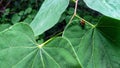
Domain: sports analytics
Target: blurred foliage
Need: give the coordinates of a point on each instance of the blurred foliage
(16, 11)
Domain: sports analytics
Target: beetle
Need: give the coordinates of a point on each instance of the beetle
(82, 23)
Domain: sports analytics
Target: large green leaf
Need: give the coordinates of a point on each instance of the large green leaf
(97, 46)
(4, 26)
(48, 15)
(109, 8)
(18, 49)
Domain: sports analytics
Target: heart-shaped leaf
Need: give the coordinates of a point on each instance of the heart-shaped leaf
(109, 8)
(18, 49)
(48, 15)
(97, 46)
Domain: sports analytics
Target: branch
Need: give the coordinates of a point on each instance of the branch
(75, 11)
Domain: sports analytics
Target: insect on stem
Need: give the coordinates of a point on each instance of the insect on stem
(82, 23)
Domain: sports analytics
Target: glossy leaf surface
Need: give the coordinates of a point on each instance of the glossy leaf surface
(109, 8)
(48, 15)
(97, 46)
(18, 49)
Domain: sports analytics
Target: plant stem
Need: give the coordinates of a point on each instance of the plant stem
(75, 14)
(84, 20)
(41, 45)
(75, 11)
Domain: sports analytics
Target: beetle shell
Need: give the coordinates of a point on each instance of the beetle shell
(82, 22)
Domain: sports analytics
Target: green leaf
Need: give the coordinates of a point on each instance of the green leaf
(7, 11)
(109, 8)
(18, 49)
(15, 18)
(97, 46)
(4, 26)
(21, 13)
(28, 10)
(28, 19)
(48, 15)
